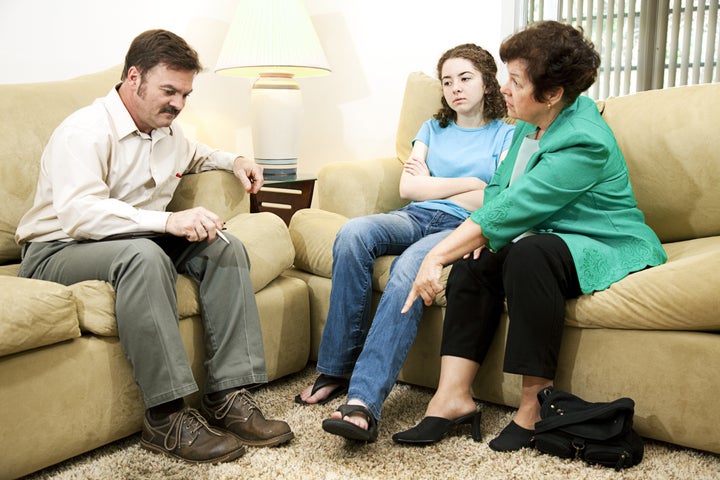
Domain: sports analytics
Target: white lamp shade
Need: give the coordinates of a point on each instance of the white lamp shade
(271, 36)
(275, 41)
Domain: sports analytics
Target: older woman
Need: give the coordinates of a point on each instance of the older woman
(454, 155)
(559, 219)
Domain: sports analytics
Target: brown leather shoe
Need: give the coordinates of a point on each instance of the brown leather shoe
(239, 414)
(186, 435)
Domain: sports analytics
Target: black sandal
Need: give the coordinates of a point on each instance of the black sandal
(324, 381)
(348, 429)
(434, 429)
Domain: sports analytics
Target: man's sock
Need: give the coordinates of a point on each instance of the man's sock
(159, 413)
(217, 397)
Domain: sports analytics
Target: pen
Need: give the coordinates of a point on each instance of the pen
(222, 236)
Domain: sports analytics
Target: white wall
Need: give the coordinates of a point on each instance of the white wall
(350, 114)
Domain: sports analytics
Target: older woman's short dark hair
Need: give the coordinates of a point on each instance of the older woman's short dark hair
(556, 55)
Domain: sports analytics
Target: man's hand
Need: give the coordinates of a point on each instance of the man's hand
(249, 173)
(196, 224)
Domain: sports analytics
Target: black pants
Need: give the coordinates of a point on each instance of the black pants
(536, 275)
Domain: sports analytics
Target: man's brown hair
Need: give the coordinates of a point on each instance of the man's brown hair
(155, 47)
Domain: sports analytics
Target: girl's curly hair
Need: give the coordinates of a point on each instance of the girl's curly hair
(493, 101)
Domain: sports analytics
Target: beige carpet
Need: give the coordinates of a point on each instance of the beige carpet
(314, 454)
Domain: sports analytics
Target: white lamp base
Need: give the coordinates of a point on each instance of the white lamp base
(276, 109)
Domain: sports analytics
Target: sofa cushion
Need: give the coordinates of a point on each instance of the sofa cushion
(92, 302)
(10, 270)
(96, 307)
(673, 163)
(24, 135)
(96, 304)
(381, 275)
(267, 241)
(35, 313)
(647, 129)
(678, 295)
(217, 190)
(364, 187)
(421, 102)
(313, 233)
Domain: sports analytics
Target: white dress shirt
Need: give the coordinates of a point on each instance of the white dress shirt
(99, 175)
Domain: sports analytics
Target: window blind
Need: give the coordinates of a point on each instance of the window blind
(643, 44)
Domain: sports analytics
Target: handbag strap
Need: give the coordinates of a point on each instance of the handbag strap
(586, 412)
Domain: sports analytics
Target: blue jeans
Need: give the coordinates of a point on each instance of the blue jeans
(374, 350)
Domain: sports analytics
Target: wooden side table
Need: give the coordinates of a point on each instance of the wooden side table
(284, 195)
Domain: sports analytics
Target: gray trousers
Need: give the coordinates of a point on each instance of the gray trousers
(143, 273)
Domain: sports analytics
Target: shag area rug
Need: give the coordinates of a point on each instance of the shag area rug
(317, 455)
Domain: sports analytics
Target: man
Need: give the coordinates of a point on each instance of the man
(106, 177)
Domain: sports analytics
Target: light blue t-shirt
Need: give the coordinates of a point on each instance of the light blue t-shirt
(462, 152)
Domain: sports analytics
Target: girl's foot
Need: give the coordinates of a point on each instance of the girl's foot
(356, 418)
(325, 389)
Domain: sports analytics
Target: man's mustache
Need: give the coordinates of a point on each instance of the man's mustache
(171, 110)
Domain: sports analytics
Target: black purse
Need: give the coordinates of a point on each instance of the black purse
(598, 433)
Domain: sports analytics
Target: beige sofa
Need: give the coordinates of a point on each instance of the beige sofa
(652, 336)
(65, 385)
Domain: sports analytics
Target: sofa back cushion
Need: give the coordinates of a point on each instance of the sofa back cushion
(29, 113)
(668, 139)
(420, 102)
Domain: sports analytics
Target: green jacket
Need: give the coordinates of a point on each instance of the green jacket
(577, 187)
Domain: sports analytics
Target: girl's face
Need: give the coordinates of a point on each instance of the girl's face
(463, 87)
(518, 92)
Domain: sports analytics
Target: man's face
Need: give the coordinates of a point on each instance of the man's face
(159, 95)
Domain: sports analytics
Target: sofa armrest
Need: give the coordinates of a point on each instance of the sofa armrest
(313, 234)
(217, 190)
(267, 241)
(35, 313)
(357, 188)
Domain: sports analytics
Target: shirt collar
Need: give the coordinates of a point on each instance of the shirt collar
(123, 121)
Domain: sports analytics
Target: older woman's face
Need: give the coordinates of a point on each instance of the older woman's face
(518, 92)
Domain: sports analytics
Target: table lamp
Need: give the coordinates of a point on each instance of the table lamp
(275, 42)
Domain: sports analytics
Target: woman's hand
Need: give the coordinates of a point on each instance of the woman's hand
(464, 240)
(475, 253)
(427, 283)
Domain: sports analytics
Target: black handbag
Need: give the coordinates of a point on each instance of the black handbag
(598, 433)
